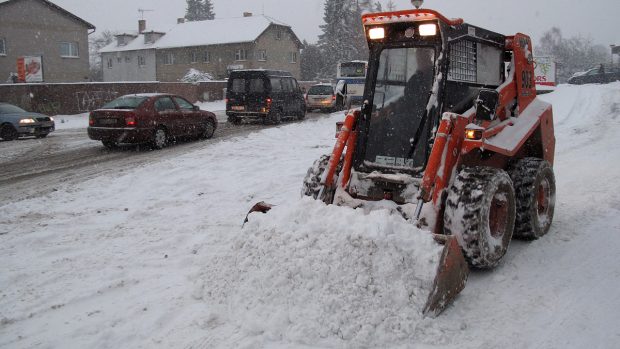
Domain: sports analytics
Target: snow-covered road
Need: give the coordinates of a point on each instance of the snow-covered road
(121, 260)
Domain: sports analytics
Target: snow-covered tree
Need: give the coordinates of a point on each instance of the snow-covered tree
(573, 54)
(195, 75)
(311, 62)
(199, 10)
(343, 35)
(95, 44)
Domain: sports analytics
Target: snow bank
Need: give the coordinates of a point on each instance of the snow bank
(63, 122)
(315, 274)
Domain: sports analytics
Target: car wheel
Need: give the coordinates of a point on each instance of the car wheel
(110, 144)
(160, 138)
(8, 132)
(209, 130)
(274, 117)
(339, 104)
(302, 113)
(234, 120)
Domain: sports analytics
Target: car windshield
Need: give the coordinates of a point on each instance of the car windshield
(321, 90)
(10, 109)
(126, 102)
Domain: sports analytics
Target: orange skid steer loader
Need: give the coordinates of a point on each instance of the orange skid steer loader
(450, 121)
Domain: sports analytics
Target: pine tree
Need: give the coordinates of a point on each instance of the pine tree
(343, 35)
(199, 10)
(311, 62)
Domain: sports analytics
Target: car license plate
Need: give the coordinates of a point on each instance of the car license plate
(238, 107)
(107, 121)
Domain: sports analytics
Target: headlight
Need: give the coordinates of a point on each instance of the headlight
(51, 118)
(27, 121)
(376, 33)
(427, 29)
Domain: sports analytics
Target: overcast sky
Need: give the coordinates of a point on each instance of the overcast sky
(597, 19)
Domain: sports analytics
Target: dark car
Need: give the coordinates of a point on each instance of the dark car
(16, 122)
(600, 75)
(267, 95)
(149, 118)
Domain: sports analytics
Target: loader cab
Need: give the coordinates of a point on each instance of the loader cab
(421, 65)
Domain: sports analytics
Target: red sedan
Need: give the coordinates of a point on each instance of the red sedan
(153, 118)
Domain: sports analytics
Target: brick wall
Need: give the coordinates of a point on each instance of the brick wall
(62, 99)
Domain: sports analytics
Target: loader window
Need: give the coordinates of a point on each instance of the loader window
(402, 91)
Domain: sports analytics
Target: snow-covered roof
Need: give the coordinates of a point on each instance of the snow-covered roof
(202, 33)
(133, 45)
(59, 9)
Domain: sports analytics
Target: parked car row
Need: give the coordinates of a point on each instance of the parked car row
(157, 118)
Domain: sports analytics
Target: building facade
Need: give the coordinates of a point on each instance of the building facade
(132, 57)
(214, 47)
(40, 28)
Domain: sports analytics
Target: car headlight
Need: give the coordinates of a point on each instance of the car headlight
(51, 118)
(26, 121)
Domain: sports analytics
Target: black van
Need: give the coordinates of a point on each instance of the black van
(268, 95)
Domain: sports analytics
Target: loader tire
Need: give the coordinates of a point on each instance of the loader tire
(311, 185)
(480, 212)
(534, 185)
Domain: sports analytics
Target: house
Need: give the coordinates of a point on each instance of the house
(39, 28)
(213, 46)
(131, 57)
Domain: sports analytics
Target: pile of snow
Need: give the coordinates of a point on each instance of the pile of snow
(131, 258)
(63, 122)
(219, 105)
(195, 75)
(314, 274)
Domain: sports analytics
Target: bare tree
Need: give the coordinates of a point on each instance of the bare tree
(95, 44)
(574, 54)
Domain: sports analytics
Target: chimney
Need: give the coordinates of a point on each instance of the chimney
(180, 20)
(247, 14)
(141, 25)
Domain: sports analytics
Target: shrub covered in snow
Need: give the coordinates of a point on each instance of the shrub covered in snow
(195, 75)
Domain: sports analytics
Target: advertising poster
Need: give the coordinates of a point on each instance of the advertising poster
(545, 71)
(30, 69)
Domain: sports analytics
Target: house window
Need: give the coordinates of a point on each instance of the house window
(109, 63)
(278, 35)
(127, 59)
(206, 57)
(141, 61)
(169, 58)
(119, 60)
(293, 57)
(261, 55)
(194, 57)
(241, 55)
(2, 47)
(69, 49)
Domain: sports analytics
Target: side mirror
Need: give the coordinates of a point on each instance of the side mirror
(195, 108)
(486, 104)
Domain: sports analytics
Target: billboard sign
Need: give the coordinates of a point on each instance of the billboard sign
(30, 69)
(545, 71)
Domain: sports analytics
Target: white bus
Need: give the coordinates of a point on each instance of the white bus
(353, 73)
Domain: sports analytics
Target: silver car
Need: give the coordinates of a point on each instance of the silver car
(16, 122)
(323, 97)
